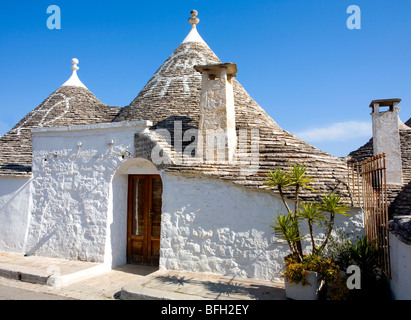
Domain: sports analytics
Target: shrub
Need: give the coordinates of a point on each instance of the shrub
(364, 254)
(296, 271)
(287, 225)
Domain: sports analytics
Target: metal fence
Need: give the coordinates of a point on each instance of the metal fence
(368, 186)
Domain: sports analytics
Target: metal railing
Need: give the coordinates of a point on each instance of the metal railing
(368, 185)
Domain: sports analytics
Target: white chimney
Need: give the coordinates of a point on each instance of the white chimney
(217, 113)
(386, 137)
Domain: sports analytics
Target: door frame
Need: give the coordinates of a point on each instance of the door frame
(147, 238)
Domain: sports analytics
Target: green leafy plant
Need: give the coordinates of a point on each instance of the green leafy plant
(313, 215)
(296, 177)
(374, 284)
(333, 205)
(299, 179)
(287, 225)
(280, 180)
(363, 253)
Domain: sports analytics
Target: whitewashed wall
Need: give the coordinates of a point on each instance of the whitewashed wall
(72, 207)
(210, 225)
(79, 208)
(14, 210)
(400, 258)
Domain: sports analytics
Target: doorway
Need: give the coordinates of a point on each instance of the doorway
(144, 219)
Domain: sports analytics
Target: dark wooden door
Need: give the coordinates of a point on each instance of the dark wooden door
(144, 219)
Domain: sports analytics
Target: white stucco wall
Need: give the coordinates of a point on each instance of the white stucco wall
(14, 210)
(400, 259)
(79, 208)
(73, 195)
(210, 225)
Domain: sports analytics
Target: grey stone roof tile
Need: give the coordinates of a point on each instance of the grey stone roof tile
(173, 94)
(67, 106)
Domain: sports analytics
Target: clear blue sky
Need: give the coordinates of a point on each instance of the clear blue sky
(297, 59)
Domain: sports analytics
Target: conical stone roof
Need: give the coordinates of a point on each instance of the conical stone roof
(71, 104)
(173, 94)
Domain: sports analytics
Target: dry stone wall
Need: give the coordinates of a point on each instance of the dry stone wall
(14, 208)
(214, 226)
(72, 173)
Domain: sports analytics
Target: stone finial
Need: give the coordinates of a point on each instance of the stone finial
(74, 81)
(74, 61)
(193, 36)
(194, 20)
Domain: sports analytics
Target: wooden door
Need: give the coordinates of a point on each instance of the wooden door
(144, 219)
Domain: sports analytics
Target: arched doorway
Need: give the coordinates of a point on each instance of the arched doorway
(122, 245)
(144, 219)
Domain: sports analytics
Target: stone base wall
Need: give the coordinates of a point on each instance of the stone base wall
(14, 213)
(400, 258)
(213, 226)
(72, 191)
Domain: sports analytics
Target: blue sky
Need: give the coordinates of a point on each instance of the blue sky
(297, 59)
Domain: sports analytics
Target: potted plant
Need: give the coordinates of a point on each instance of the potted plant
(305, 279)
(304, 273)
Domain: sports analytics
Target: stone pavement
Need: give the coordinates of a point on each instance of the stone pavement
(92, 281)
(173, 285)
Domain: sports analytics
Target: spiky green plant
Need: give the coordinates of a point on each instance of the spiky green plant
(311, 212)
(332, 204)
(300, 179)
(296, 176)
(286, 227)
(280, 180)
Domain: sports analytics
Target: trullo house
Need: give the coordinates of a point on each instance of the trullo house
(173, 179)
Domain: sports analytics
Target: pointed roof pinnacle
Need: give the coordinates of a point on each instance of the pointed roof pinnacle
(194, 36)
(74, 80)
(194, 20)
(75, 62)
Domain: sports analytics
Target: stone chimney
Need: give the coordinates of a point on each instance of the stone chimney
(386, 136)
(217, 113)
